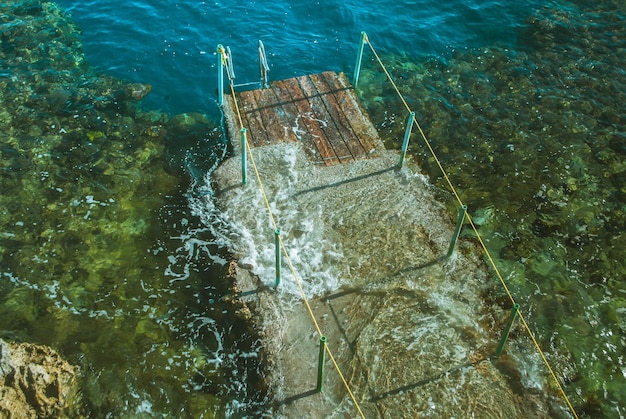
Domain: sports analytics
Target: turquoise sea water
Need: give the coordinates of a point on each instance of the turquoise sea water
(102, 258)
(172, 45)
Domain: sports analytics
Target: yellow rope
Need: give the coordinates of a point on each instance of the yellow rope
(523, 320)
(491, 261)
(415, 122)
(284, 250)
(317, 327)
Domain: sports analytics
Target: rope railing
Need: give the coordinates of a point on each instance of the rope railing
(412, 122)
(223, 63)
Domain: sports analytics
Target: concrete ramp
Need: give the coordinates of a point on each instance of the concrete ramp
(412, 333)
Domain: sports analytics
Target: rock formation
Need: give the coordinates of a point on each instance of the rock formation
(34, 381)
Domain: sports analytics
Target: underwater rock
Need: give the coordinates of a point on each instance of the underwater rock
(35, 381)
(191, 123)
(133, 91)
(32, 8)
(483, 216)
(83, 181)
(182, 127)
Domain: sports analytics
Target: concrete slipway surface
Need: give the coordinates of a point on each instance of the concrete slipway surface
(412, 332)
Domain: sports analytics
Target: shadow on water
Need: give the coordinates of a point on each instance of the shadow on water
(292, 399)
(397, 391)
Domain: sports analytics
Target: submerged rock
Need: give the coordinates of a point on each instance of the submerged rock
(134, 91)
(35, 381)
(85, 179)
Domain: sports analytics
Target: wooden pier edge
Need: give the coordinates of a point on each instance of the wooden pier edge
(321, 111)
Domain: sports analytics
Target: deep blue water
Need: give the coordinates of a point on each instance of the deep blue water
(171, 45)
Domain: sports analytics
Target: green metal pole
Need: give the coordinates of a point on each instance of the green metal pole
(407, 136)
(320, 364)
(507, 329)
(359, 58)
(244, 157)
(457, 230)
(278, 255)
(220, 74)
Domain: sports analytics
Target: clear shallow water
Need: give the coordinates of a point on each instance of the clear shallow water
(147, 299)
(533, 137)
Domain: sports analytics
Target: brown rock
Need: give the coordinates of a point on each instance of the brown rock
(132, 91)
(34, 381)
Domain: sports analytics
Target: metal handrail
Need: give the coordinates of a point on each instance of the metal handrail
(225, 61)
(263, 66)
(229, 65)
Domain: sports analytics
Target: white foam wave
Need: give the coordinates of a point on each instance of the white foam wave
(245, 227)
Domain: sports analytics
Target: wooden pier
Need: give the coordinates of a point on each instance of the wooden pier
(321, 111)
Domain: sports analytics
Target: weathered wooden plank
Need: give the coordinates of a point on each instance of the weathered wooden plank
(327, 125)
(320, 111)
(346, 99)
(280, 127)
(298, 127)
(252, 119)
(307, 116)
(268, 118)
(336, 113)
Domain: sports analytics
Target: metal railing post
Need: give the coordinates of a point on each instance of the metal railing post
(244, 157)
(457, 230)
(278, 255)
(359, 58)
(229, 66)
(263, 66)
(407, 136)
(320, 364)
(220, 74)
(507, 329)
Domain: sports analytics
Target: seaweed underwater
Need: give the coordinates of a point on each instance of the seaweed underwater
(100, 257)
(534, 137)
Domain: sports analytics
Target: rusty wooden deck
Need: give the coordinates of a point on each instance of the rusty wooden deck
(321, 111)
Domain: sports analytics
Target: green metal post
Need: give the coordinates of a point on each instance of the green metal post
(457, 230)
(407, 136)
(359, 58)
(507, 329)
(278, 255)
(320, 364)
(220, 74)
(244, 157)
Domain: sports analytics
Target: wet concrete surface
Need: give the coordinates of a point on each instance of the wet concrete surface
(410, 330)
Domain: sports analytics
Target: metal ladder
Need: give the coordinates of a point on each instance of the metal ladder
(225, 61)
